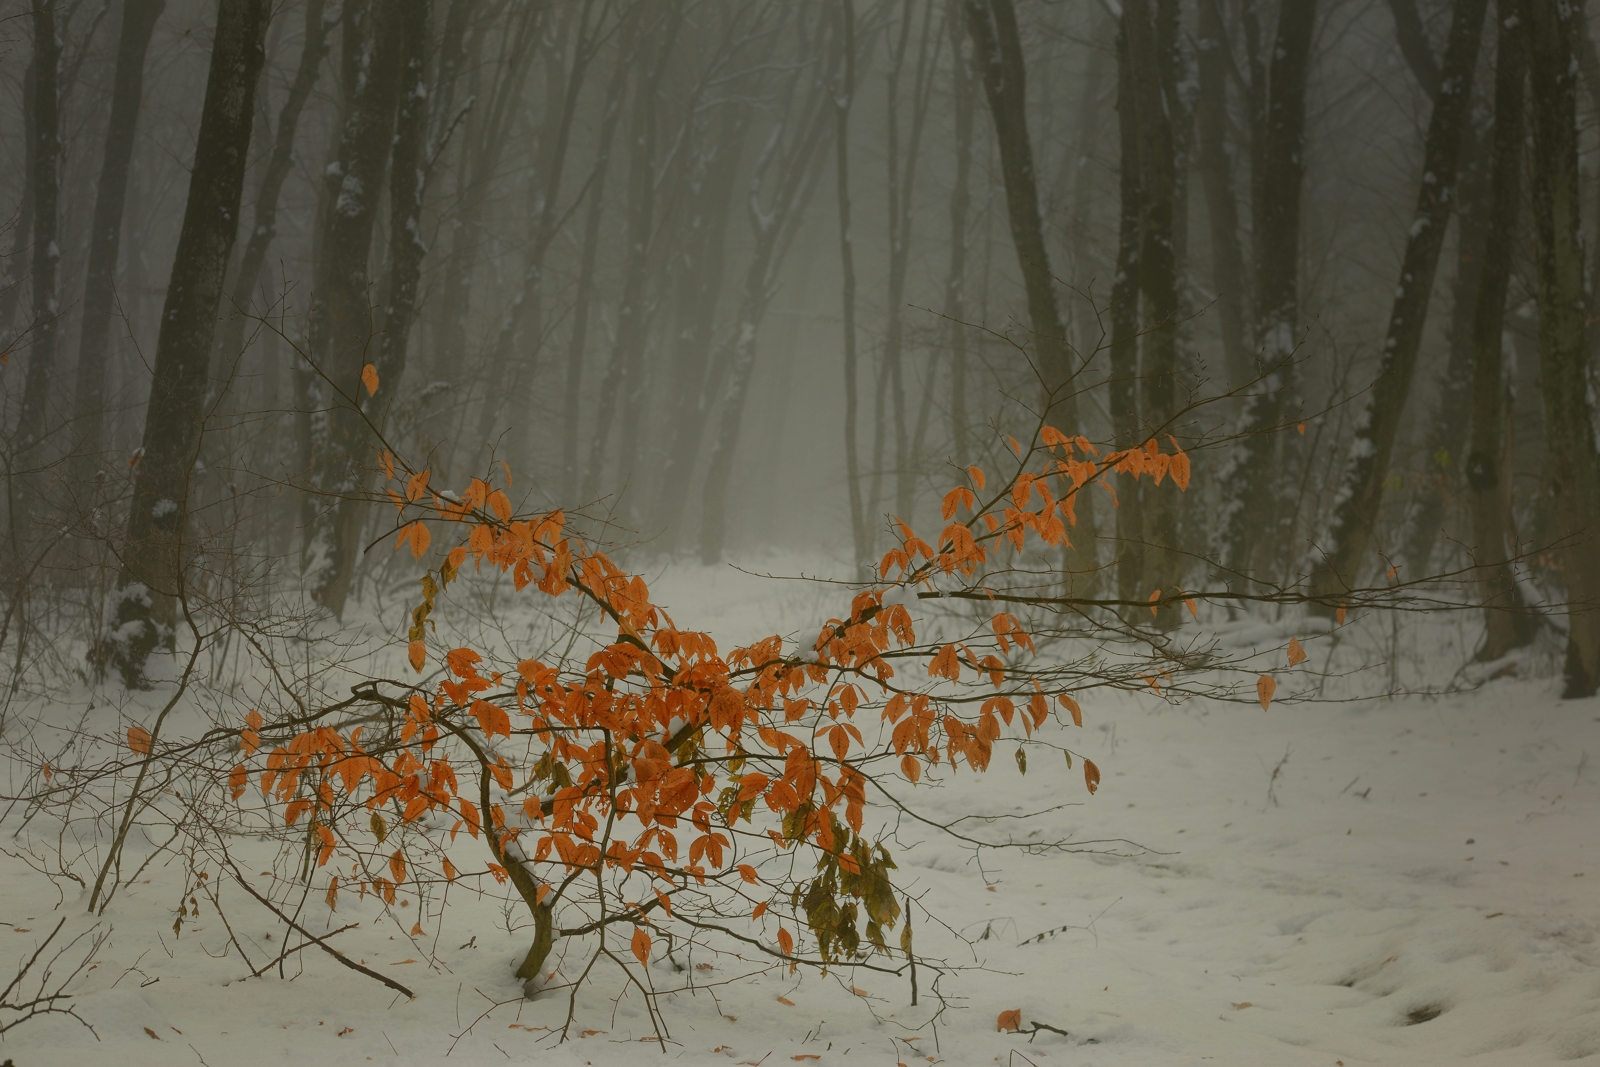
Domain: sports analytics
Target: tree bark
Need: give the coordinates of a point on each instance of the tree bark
(11, 281)
(46, 189)
(264, 228)
(1277, 173)
(843, 97)
(1574, 468)
(105, 240)
(997, 53)
(902, 181)
(158, 516)
(1158, 287)
(1123, 386)
(1488, 468)
(1222, 206)
(342, 337)
(962, 76)
(1361, 487)
(1449, 421)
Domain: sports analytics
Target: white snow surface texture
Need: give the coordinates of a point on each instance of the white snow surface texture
(1426, 859)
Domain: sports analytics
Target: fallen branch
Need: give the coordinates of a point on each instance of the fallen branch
(318, 941)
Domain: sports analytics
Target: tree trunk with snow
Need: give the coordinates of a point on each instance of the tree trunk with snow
(1488, 467)
(152, 556)
(343, 339)
(1360, 489)
(1573, 468)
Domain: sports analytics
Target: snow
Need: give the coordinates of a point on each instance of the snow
(1409, 856)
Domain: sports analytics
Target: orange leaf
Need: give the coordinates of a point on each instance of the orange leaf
(1297, 654)
(1072, 706)
(1391, 572)
(748, 873)
(785, 941)
(1338, 616)
(1091, 775)
(911, 768)
(419, 539)
(761, 909)
(416, 930)
(1009, 1021)
(1301, 427)
(449, 870)
(1189, 603)
(237, 781)
(461, 661)
(1265, 687)
(139, 740)
(417, 653)
(397, 867)
(641, 946)
(977, 476)
(417, 484)
(1154, 597)
(786, 1000)
(333, 893)
(369, 378)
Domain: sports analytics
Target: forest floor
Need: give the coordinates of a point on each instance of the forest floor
(1394, 881)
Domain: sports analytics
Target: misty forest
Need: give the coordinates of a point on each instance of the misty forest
(962, 530)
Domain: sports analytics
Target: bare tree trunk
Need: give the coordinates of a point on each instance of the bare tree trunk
(1488, 466)
(1277, 172)
(1123, 399)
(488, 133)
(138, 23)
(1574, 468)
(584, 296)
(342, 332)
(997, 52)
(1361, 487)
(962, 76)
(11, 281)
(843, 97)
(46, 186)
(319, 21)
(523, 320)
(1216, 172)
(152, 557)
(407, 184)
(1449, 420)
(902, 182)
(1158, 286)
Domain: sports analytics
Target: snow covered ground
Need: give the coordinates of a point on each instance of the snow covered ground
(1419, 884)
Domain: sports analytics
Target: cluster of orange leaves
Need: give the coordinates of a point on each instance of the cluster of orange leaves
(644, 727)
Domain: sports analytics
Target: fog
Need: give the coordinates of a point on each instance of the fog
(709, 104)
